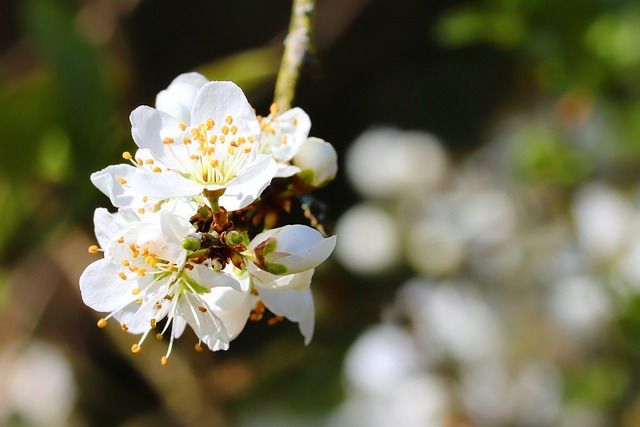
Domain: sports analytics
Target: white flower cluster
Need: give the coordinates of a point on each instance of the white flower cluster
(193, 241)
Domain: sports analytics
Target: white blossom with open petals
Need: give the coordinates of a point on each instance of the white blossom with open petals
(146, 276)
(214, 147)
(282, 136)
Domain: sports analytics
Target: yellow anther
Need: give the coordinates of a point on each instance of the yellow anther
(139, 301)
(234, 130)
(159, 306)
(163, 360)
(172, 266)
(121, 240)
(153, 323)
(210, 123)
(124, 327)
(251, 139)
(136, 291)
(159, 337)
(294, 121)
(225, 130)
(198, 347)
(93, 249)
(135, 349)
(213, 139)
(127, 155)
(275, 320)
(145, 251)
(195, 132)
(234, 143)
(157, 169)
(133, 268)
(228, 120)
(284, 139)
(151, 260)
(202, 309)
(102, 323)
(125, 262)
(135, 254)
(149, 161)
(142, 272)
(182, 126)
(122, 181)
(141, 210)
(222, 139)
(247, 150)
(274, 108)
(195, 157)
(231, 150)
(168, 297)
(259, 117)
(186, 141)
(189, 266)
(241, 140)
(145, 199)
(168, 140)
(122, 276)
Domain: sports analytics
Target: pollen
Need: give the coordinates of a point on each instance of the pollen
(159, 306)
(210, 124)
(157, 169)
(198, 347)
(159, 337)
(121, 240)
(122, 276)
(251, 139)
(142, 272)
(149, 161)
(231, 150)
(228, 120)
(93, 249)
(125, 263)
(153, 323)
(163, 360)
(234, 129)
(186, 141)
(139, 301)
(195, 157)
(102, 323)
(139, 161)
(136, 291)
(122, 181)
(135, 349)
(247, 150)
(133, 268)
(182, 126)
(151, 260)
(124, 327)
(213, 139)
(127, 155)
(224, 130)
(168, 140)
(202, 309)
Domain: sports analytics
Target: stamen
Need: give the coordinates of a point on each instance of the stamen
(159, 337)
(145, 199)
(228, 120)
(202, 309)
(163, 360)
(122, 276)
(231, 150)
(93, 249)
(149, 161)
(275, 320)
(198, 348)
(157, 169)
(187, 141)
(213, 139)
(121, 239)
(274, 108)
(294, 121)
(127, 155)
(124, 327)
(210, 124)
(234, 130)
(136, 291)
(102, 323)
(122, 181)
(153, 323)
(168, 140)
(182, 126)
(139, 161)
(135, 349)
(125, 262)
(224, 130)
(142, 272)
(139, 301)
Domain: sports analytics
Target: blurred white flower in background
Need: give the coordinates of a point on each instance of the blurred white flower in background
(369, 240)
(387, 162)
(37, 386)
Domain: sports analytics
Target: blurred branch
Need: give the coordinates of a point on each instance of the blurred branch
(298, 41)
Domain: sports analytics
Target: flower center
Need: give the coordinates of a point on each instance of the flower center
(212, 154)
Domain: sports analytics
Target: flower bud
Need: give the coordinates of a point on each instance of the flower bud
(318, 161)
(290, 249)
(191, 242)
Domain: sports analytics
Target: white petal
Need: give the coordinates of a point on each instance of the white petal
(106, 181)
(108, 226)
(207, 326)
(263, 279)
(102, 289)
(296, 134)
(295, 305)
(285, 171)
(247, 187)
(208, 278)
(218, 100)
(163, 185)
(149, 127)
(177, 99)
(232, 307)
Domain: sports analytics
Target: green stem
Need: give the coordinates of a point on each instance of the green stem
(296, 44)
